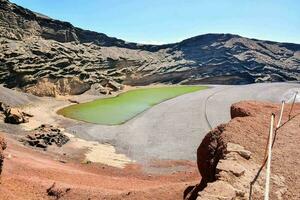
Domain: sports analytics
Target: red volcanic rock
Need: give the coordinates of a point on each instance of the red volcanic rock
(237, 111)
(249, 129)
(210, 151)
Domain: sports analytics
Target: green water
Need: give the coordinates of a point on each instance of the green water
(119, 109)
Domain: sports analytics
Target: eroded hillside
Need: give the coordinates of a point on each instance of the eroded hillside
(37, 49)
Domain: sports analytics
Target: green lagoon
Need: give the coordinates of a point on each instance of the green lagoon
(119, 109)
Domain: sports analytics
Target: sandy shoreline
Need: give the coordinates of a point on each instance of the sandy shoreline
(45, 113)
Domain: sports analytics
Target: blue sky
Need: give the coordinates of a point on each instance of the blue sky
(167, 21)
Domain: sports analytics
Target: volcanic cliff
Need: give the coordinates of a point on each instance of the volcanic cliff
(37, 52)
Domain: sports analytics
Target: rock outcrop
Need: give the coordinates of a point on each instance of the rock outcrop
(63, 86)
(16, 116)
(44, 136)
(13, 115)
(2, 148)
(210, 151)
(34, 47)
(56, 192)
(233, 175)
(230, 156)
(3, 107)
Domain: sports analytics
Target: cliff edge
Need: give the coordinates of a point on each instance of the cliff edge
(230, 156)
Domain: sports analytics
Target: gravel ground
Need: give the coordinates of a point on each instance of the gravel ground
(15, 98)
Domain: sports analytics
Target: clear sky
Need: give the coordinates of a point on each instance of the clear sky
(167, 21)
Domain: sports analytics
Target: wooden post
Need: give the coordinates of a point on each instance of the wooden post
(268, 171)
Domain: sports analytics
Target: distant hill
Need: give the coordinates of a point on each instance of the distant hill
(34, 46)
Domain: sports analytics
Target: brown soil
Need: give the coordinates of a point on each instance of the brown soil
(28, 173)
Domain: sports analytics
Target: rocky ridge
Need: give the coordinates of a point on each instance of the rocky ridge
(35, 48)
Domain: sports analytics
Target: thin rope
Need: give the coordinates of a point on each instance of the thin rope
(296, 93)
(280, 117)
(265, 159)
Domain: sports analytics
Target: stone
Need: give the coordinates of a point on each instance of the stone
(57, 192)
(238, 112)
(219, 190)
(210, 151)
(43, 87)
(72, 86)
(15, 116)
(101, 89)
(3, 107)
(73, 101)
(231, 166)
(113, 85)
(231, 147)
(41, 144)
(44, 136)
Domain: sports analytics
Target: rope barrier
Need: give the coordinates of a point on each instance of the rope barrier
(280, 117)
(296, 93)
(268, 171)
(277, 126)
(269, 147)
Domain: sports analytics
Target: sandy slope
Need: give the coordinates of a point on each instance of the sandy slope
(28, 173)
(15, 98)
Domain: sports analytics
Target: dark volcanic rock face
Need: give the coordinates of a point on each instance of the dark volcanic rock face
(33, 46)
